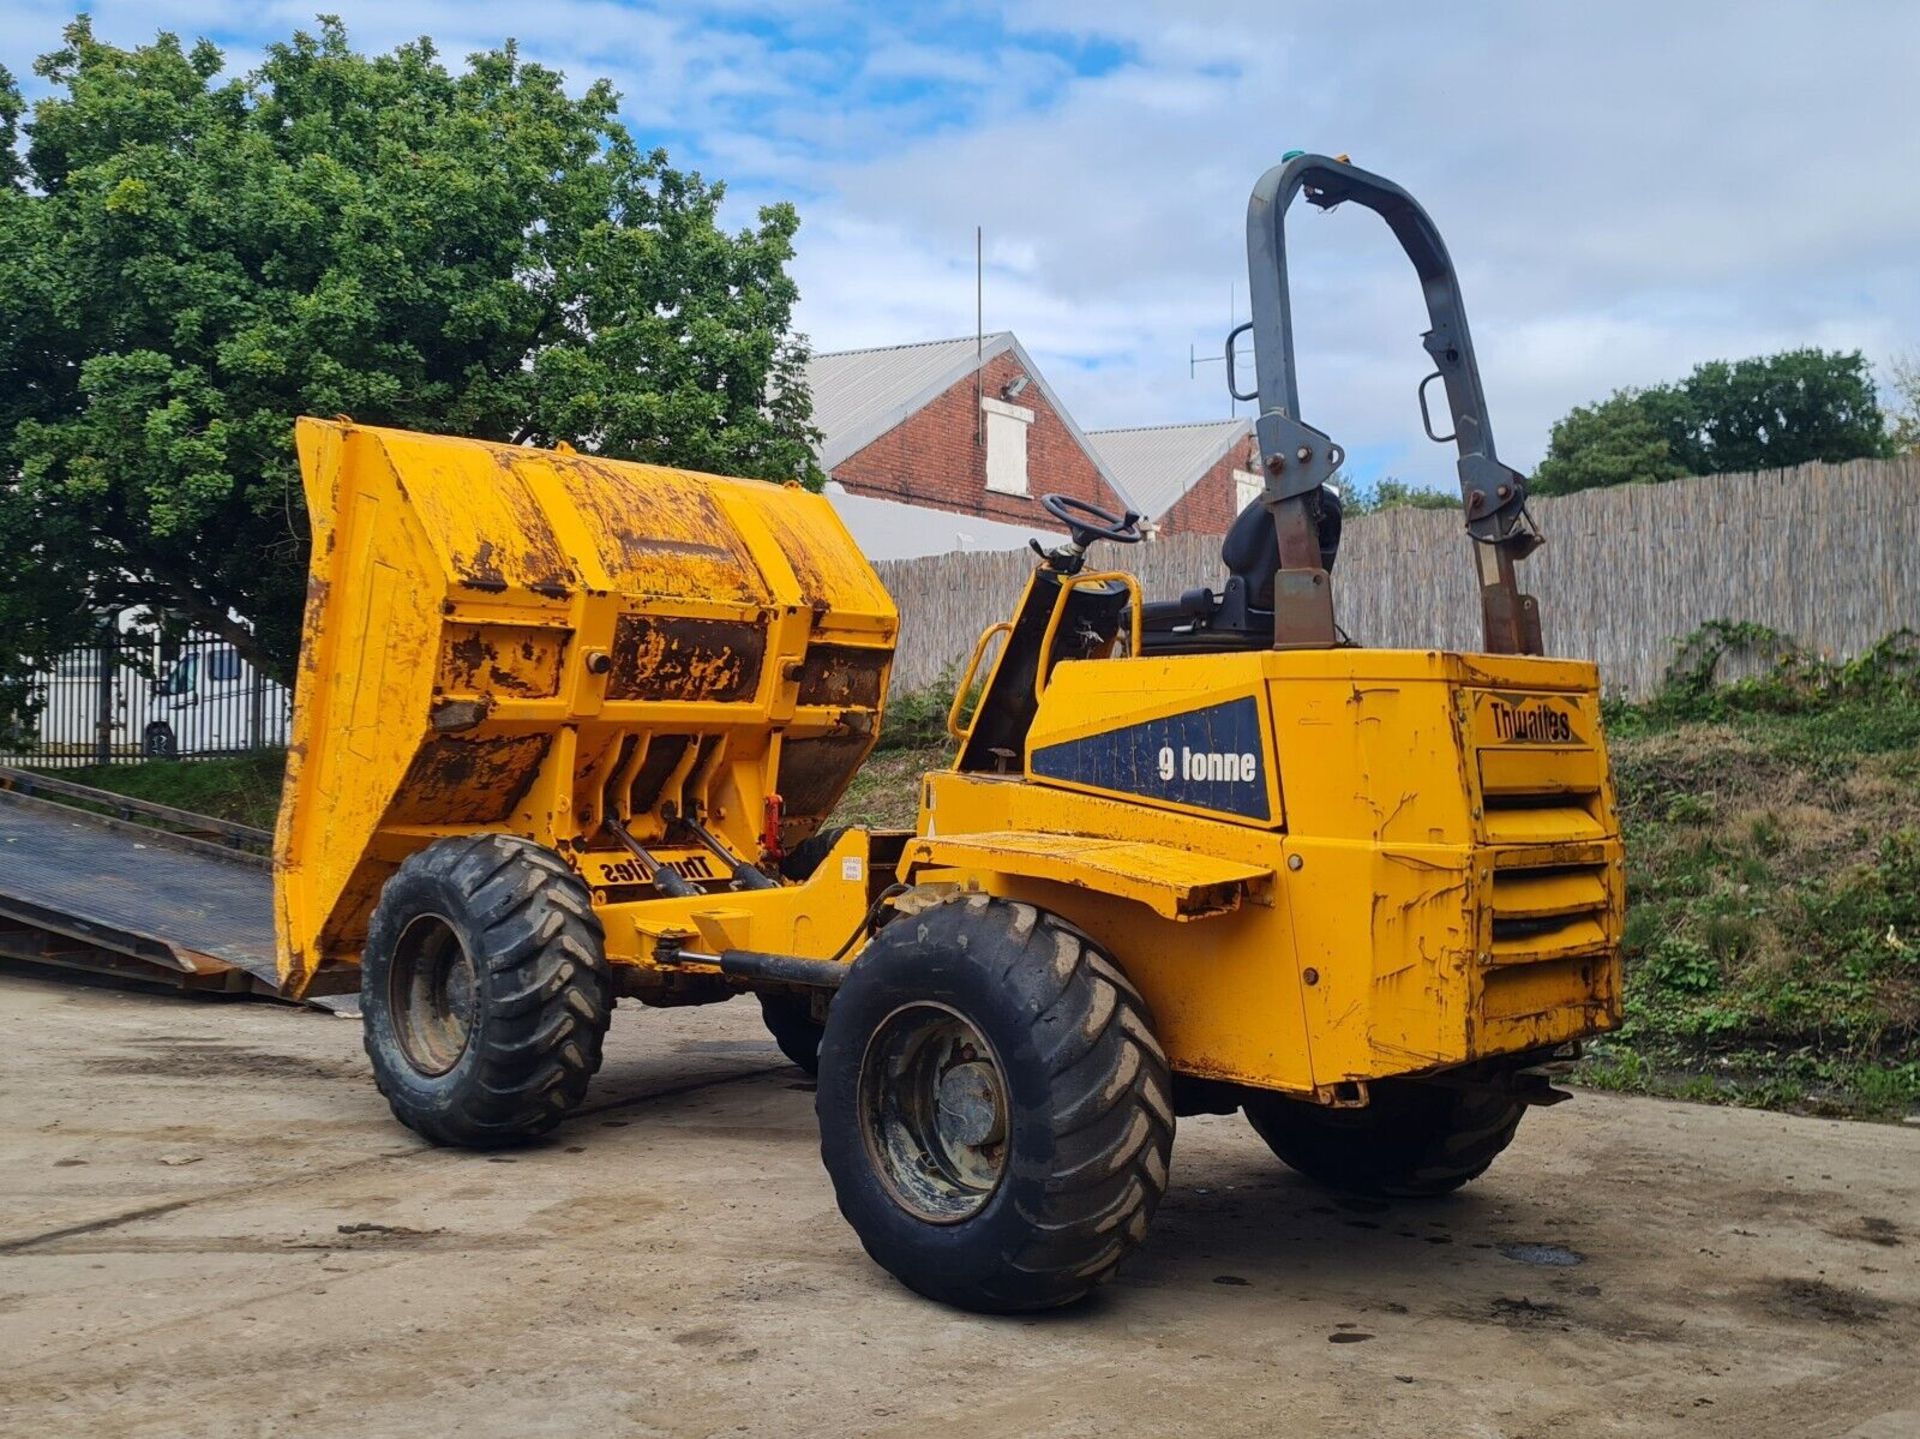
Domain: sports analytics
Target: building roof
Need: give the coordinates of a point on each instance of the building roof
(1157, 464)
(889, 530)
(858, 395)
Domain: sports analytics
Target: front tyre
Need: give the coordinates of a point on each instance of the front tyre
(995, 1112)
(485, 991)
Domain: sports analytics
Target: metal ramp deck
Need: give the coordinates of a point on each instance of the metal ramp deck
(107, 894)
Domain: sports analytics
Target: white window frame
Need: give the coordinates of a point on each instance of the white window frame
(1006, 458)
(1247, 487)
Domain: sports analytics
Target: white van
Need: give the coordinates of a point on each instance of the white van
(212, 701)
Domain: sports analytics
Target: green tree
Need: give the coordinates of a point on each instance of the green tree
(186, 264)
(1775, 411)
(1766, 413)
(1619, 441)
(1387, 493)
(1903, 430)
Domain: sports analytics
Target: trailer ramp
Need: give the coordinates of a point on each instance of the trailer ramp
(143, 892)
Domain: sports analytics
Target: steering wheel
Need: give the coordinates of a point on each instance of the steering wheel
(1075, 514)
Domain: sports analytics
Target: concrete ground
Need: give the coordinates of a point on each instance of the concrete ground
(210, 1225)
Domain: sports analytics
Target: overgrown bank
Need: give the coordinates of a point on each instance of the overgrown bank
(242, 788)
(1773, 856)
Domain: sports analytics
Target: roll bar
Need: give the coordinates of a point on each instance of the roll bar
(1297, 458)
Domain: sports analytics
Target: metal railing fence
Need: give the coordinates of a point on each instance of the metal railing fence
(124, 700)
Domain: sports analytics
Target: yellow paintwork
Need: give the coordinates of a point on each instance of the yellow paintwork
(1403, 824)
(497, 638)
(1171, 882)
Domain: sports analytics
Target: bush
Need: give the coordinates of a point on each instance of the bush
(1793, 682)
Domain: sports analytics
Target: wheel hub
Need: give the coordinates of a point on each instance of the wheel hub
(933, 1109)
(432, 995)
(971, 1110)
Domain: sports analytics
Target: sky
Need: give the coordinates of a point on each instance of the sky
(1627, 188)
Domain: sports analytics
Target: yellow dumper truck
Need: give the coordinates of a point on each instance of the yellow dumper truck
(568, 730)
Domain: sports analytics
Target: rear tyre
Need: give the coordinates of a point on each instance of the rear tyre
(790, 1021)
(159, 742)
(1413, 1140)
(789, 1017)
(995, 1112)
(485, 991)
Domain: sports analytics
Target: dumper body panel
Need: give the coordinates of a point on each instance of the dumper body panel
(530, 642)
(1439, 867)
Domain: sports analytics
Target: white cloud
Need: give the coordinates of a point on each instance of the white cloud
(1628, 189)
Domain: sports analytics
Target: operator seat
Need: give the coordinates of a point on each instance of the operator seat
(1240, 616)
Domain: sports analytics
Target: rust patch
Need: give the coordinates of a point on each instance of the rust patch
(670, 658)
(661, 532)
(468, 781)
(516, 660)
(482, 572)
(805, 565)
(543, 565)
(843, 675)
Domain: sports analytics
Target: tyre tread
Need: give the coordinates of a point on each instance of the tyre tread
(550, 991)
(1109, 1101)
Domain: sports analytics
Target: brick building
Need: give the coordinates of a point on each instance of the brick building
(949, 444)
(970, 427)
(1186, 479)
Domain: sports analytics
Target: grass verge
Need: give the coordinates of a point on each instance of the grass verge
(241, 788)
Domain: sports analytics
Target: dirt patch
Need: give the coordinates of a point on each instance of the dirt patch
(1524, 1313)
(1814, 1301)
(397, 1232)
(211, 1059)
(1870, 1229)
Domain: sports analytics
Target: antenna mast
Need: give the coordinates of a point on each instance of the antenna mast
(979, 341)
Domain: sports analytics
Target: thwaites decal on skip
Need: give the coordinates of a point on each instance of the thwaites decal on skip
(1210, 758)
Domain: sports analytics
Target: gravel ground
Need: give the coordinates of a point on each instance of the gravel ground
(209, 1224)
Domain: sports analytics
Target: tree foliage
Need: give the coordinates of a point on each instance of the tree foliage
(1765, 413)
(188, 262)
(1615, 442)
(1904, 424)
(1387, 493)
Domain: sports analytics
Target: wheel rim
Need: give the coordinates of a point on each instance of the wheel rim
(933, 1112)
(432, 994)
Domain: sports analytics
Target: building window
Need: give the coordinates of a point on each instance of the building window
(1006, 446)
(1246, 489)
